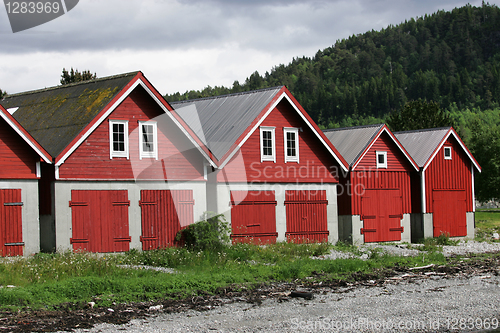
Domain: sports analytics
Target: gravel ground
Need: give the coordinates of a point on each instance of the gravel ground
(406, 303)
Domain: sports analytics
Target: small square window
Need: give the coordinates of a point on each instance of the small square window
(291, 144)
(447, 153)
(381, 159)
(267, 144)
(118, 134)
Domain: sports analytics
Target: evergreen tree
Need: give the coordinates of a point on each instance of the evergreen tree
(2, 94)
(75, 76)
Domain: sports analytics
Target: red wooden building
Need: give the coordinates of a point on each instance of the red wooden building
(20, 160)
(443, 190)
(276, 173)
(127, 172)
(374, 197)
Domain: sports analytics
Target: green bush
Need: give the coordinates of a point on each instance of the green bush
(211, 234)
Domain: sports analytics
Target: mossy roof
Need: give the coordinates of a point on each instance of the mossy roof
(55, 116)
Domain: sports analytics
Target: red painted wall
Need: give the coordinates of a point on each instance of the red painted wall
(178, 159)
(367, 176)
(396, 161)
(17, 158)
(315, 162)
(454, 174)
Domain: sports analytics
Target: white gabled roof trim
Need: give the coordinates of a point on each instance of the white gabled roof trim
(115, 105)
(269, 110)
(438, 148)
(25, 138)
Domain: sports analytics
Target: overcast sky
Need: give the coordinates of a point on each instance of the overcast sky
(188, 44)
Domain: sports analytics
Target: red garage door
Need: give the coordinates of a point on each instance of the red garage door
(449, 215)
(11, 225)
(164, 213)
(306, 219)
(381, 214)
(100, 220)
(253, 217)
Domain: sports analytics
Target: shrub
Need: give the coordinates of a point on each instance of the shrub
(211, 234)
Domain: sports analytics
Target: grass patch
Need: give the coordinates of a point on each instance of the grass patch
(47, 281)
(487, 223)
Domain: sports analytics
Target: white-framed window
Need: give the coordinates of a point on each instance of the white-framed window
(267, 144)
(118, 138)
(148, 140)
(447, 153)
(291, 144)
(381, 159)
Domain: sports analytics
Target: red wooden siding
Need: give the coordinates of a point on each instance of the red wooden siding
(449, 215)
(100, 220)
(306, 219)
(363, 181)
(381, 215)
(315, 162)
(164, 213)
(253, 219)
(178, 159)
(454, 174)
(11, 225)
(396, 160)
(18, 160)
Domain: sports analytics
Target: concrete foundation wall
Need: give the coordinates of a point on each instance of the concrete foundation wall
(63, 223)
(345, 228)
(470, 225)
(428, 225)
(417, 230)
(224, 203)
(406, 224)
(31, 225)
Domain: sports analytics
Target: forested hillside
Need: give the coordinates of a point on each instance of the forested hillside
(448, 57)
(452, 58)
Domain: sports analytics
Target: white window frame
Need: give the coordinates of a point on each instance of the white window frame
(381, 165)
(112, 152)
(294, 130)
(271, 158)
(147, 154)
(444, 152)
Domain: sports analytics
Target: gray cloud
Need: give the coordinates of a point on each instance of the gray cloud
(224, 40)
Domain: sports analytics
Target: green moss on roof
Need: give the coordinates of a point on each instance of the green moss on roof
(55, 116)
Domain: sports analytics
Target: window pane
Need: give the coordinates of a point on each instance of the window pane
(267, 144)
(147, 138)
(290, 144)
(119, 137)
(381, 159)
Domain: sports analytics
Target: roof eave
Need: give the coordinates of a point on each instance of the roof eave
(19, 129)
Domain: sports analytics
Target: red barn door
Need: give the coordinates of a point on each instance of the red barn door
(164, 213)
(449, 215)
(381, 214)
(253, 217)
(11, 223)
(306, 219)
(100, 220)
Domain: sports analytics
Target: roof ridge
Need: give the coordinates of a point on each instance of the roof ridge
(424, 130)
(226, 95)
(30, 92)
(352, 127)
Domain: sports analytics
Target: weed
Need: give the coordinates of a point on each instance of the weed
(209, 234)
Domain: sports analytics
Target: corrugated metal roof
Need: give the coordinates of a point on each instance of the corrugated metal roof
(54, 116)
(352, 141)
(219, 121)
(420, 144)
